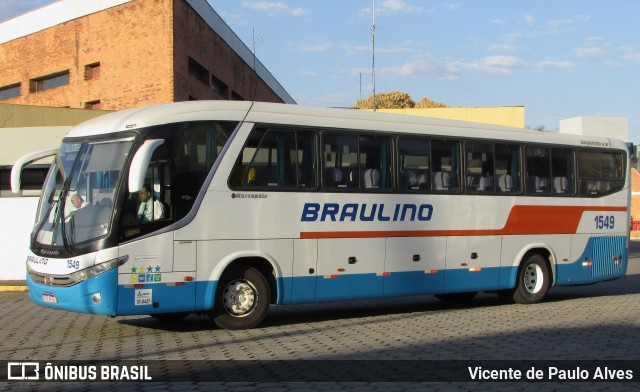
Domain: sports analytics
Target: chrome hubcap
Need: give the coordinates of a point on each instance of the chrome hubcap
(533, 278)
(240, 298)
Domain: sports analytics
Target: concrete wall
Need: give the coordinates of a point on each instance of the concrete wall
(19, 141)
(511, 116)
(614, 127)
(18, 215)
(16, 116)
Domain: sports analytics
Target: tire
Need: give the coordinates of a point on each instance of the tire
(457, 297)
(533, 281)
(242, 298)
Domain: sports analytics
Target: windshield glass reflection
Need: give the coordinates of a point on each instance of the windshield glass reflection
(77, 203)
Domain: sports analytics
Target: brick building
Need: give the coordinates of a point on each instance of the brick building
(117, 54)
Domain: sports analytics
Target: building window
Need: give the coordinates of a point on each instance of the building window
(198, 71)
(48, 82)
(236, 97)
(10, 91)
(92, 71)
(93, 105)
(219, 87)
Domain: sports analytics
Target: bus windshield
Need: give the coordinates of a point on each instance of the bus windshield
(78, 193)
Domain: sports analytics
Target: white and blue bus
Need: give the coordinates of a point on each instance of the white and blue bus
(255, 204)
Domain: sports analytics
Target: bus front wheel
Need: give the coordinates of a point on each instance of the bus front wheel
(242, 298)
(533, 282)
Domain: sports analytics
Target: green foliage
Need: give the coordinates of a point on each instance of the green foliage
(396, 100)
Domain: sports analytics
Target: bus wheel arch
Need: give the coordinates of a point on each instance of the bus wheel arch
(243, 294)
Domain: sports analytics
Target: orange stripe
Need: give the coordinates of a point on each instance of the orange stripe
(522, 220)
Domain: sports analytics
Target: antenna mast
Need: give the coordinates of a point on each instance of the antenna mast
(373, 54)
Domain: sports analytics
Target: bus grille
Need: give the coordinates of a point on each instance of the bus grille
(52, 280)
(607, 256)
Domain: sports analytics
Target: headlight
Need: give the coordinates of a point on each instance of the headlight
(96, 270)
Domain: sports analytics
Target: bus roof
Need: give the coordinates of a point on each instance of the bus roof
(319, 117)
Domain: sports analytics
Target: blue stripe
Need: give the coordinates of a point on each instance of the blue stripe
(199, 296)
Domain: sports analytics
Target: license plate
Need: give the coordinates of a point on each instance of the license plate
(48, 297)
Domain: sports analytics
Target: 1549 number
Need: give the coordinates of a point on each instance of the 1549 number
(605, 222)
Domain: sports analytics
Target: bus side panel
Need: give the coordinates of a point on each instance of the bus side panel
(156, 297)
(415, 266)
(594, 259)
(473, 263)
(148, 283)
(303, 280)
(350, 268)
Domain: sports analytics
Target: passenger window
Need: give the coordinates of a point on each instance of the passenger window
(600, 172)
(375, 162)
(353, 162)
(538, 169)
(276, 158)
(480, 167)
(445, 166)
(562, 172)
(507, 168)
(414, 164)
(340, 161)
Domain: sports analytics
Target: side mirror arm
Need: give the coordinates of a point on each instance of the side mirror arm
(140, 163)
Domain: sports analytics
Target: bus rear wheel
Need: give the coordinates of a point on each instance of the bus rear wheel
(242, 298)
(533, 281)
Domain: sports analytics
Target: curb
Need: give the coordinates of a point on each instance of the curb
(13, 288)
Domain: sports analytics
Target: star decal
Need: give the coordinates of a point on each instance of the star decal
(134, 270)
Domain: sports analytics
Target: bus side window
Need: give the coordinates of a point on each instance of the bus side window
(445, 165)
(600, 172)
(340, 161)
(375, 162)
(275, 159)
(562, 172)
(194, 148)
(538, 170)
(507, 168)
(414, 164)
(479, 168)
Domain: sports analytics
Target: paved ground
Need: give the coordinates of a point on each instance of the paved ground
(598, 322)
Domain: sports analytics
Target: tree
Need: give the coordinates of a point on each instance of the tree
(396, 100)
(391, 100)
(427, 102)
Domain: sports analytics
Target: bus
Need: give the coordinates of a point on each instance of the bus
(226, 208)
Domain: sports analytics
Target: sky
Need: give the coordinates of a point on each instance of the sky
(558, 59)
